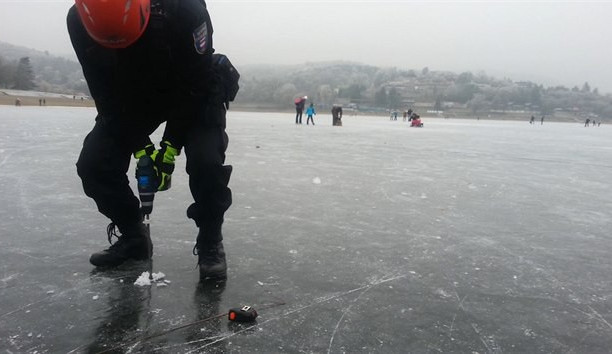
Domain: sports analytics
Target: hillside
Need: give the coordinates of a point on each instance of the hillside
(378, 90)
(51, 73)
(360, 87)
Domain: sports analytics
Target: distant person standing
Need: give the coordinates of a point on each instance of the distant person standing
(532, 120)
(586, 123)
(310, 111)
(337, 115)
(542, 120)
(300, 102)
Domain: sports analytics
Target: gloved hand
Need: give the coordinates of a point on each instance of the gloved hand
(147, 150)
(163, 160)
(164, 163)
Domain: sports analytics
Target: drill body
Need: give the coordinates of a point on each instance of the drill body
(147, 183)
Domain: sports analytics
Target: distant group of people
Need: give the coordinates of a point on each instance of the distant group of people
(410, 116)
(41, 102)
(586, 123)
(300, 103)
(532, 120)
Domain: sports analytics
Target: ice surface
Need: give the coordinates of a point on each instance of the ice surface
(463, 236)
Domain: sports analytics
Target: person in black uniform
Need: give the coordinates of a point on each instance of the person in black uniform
(147, 62)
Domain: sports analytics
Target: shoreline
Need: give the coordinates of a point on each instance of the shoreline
(33, 100)
(9, 100)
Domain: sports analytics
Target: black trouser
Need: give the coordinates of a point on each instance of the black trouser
(309, 118)
(103, 165)
(298, 114)
(208, 177)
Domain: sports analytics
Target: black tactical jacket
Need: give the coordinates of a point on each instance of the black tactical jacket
(165, 76)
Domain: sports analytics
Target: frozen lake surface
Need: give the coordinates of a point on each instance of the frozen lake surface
(462, 236)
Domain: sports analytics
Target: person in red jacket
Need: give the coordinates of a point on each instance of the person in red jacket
(416, 121)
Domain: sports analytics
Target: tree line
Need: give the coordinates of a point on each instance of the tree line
(383, 89)
(367, 87)
(29, 69)
(17, 75)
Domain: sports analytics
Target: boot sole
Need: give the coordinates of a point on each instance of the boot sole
(114, 265)
(210, 275)
(140, 257)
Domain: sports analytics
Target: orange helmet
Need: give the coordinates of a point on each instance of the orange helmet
(114, 23)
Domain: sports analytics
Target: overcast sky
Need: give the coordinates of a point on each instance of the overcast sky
(549, 42)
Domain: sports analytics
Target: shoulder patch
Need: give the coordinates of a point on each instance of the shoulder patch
(200, 38)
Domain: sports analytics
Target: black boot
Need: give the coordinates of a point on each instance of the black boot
(133, 243)
(211, 256)
(211, 261)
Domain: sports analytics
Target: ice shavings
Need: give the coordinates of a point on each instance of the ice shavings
(143, 280)
(316, 180)
(10, 277)
(158, 276)
(260, 283)
(146, 279)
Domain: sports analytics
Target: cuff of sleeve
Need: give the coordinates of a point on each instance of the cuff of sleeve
(147, 150)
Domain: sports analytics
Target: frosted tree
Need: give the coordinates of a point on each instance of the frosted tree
(24, 77)
(326, 94)
(285, 94)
